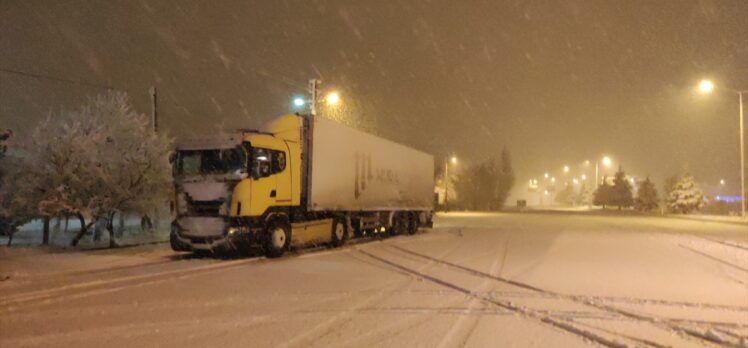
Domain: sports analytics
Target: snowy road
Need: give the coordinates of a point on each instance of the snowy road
(475, 280)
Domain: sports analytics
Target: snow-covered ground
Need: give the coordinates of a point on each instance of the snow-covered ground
(545, 280)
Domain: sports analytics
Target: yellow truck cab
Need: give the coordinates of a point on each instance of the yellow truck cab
(300, 180)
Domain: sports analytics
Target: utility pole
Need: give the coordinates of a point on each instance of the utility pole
(742, 156)
(446, 185)
(154, 113)
(313, 88)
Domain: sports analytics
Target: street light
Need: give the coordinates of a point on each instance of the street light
(333, 98)
(722, 182)
(446, 181)
(606, 162)
(545, 175)
(566, 169)
(298, 102)
(706, 87)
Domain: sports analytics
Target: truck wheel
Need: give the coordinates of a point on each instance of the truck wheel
(176, 244)
(277, 238)
(339, 232)
(412, 223)
(399, 224)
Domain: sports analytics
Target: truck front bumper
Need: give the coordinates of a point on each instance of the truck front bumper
(210, 234)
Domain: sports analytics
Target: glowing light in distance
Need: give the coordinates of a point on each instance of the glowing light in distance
(607, 161)
(333, 98)
(706, 86)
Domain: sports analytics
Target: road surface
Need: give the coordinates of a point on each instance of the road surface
(475, 280)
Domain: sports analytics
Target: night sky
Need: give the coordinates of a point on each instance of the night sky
(557, 82)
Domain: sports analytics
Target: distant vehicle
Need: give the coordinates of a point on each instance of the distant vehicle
(300, 180)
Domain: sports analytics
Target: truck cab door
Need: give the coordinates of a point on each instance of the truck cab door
(263, 189)
(282, 173)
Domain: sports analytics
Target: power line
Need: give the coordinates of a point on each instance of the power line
(54, 78)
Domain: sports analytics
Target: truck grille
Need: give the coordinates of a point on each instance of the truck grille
(205, 208)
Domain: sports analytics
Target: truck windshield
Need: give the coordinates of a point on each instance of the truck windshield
(211, 161)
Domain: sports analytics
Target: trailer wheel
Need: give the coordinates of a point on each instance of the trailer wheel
(399, 224)
(277, 238)
(412, 223)
(339, 232)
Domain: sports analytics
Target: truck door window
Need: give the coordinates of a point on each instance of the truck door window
(279, 161)
(261, 160)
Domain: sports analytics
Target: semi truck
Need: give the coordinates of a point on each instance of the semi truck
(300, 180)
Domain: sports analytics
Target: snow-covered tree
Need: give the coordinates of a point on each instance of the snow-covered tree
(98, 160)
(646, 199)
(621, 194)
(686, 196)
(19, 196)
(603, 194)
(585, 195)
(566, 195)
(668, 186)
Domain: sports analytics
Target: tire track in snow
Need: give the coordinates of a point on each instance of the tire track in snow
(713, 258)
(454, 329)
(98, 286)
(733, 244)
(586, 335)
(655, 321)
(93, 287)
(329, 326)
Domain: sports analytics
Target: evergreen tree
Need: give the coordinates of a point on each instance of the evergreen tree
(621, 192)
(505, 180)
(585, 196)
(686, 196)
(647, 199)
(465, 186)
(566, 196)
(602, 195)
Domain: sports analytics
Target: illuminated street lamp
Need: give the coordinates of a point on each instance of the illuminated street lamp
(722, 182)
(553, 179)
(299, 102)
(333, 98)
(606, 162)
(566, 169)
(584, 177)
(545, 175)
(706, 87)
(446, 181)
(575, 180)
